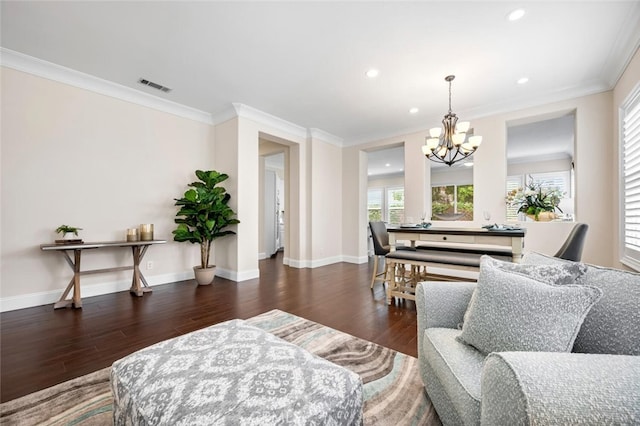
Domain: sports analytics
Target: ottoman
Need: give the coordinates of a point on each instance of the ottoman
(232, 374)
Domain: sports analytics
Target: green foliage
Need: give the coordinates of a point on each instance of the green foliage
(375, 215)
(64, 229)
(441, 208)
(534, 199)
(204, 213)
(465, 194)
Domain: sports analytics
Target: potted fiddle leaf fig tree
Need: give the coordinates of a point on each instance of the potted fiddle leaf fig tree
(204, 216)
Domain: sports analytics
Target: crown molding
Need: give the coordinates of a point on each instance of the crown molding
(41, 68)
(325, 137)
(623, 50)
(254, 114)
(226, 114)
(38, 67)
(566, 94)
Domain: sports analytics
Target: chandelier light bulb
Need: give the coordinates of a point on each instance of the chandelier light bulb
(463, 126)
(475, 141)
(458, 139)
(435, 132)
(432, 143)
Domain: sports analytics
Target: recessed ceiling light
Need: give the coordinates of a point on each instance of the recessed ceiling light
(523, 80)
(387, 165)
(413, 110)
(515, 15)
(468, 164)
(372, 73)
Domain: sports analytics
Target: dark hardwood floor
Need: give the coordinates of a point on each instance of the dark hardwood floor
(41, 347)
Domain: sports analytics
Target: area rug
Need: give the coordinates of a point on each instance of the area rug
(393, 391)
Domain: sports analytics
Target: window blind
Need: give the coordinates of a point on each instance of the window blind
(513, 183)
(630, 142)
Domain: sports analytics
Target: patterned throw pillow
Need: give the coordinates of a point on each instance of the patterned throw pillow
(512, 312)
(557, 273)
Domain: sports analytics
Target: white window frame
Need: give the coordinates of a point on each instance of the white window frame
(629, 255)
(388, 191)
(381, 191)
(385, 199)
(455, 196)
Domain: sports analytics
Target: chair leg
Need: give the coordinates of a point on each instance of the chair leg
(375, 269)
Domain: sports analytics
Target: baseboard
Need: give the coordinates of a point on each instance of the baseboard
(237, 276)
(262, 256)
(355, 259)
(326, 261)
(49, 297)
(294, 263)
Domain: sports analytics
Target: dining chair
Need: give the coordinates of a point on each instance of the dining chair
(380, 238)
(572, 247)
(381, 247)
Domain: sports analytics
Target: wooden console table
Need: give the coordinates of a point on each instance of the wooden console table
(138, 248)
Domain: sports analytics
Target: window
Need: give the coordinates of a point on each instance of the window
(395, 203)
(386, 204)
(452, 202)
(630, 179)
(550, 180)
(374, 204)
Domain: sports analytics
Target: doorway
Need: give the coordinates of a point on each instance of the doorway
(273, 199)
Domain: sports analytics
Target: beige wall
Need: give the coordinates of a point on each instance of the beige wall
(71, 156)
(326, 203)
(76, 157)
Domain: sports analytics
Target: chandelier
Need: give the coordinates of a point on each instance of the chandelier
(454, 141)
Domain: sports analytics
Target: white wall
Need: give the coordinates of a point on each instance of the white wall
(71, 156)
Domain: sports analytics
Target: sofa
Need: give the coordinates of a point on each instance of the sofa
(568, 354)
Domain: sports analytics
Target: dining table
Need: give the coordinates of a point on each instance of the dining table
(446, 249)
(498, 238)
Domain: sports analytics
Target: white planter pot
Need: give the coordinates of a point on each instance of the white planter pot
(204, 276)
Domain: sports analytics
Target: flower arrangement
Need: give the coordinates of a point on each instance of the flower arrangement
(533, 199)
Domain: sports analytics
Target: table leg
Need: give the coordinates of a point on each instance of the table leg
(75, 301)
(63, 302)
(390, 277)
(516, 249)
(135, 283)
(139, 284)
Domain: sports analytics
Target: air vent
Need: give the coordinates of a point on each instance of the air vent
(154, 85)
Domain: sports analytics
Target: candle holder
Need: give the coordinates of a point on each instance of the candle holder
(132, 234)
(146, 232)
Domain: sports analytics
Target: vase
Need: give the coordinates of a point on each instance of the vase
(204, 276)
(543, 217)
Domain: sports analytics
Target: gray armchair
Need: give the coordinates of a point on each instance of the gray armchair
(601, 385)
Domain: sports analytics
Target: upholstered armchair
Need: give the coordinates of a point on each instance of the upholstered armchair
(593, 380)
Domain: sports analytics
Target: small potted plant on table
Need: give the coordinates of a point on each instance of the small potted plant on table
(203, 217)
(68, 234)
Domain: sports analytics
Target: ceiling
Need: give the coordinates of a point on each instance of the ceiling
(305, 61)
